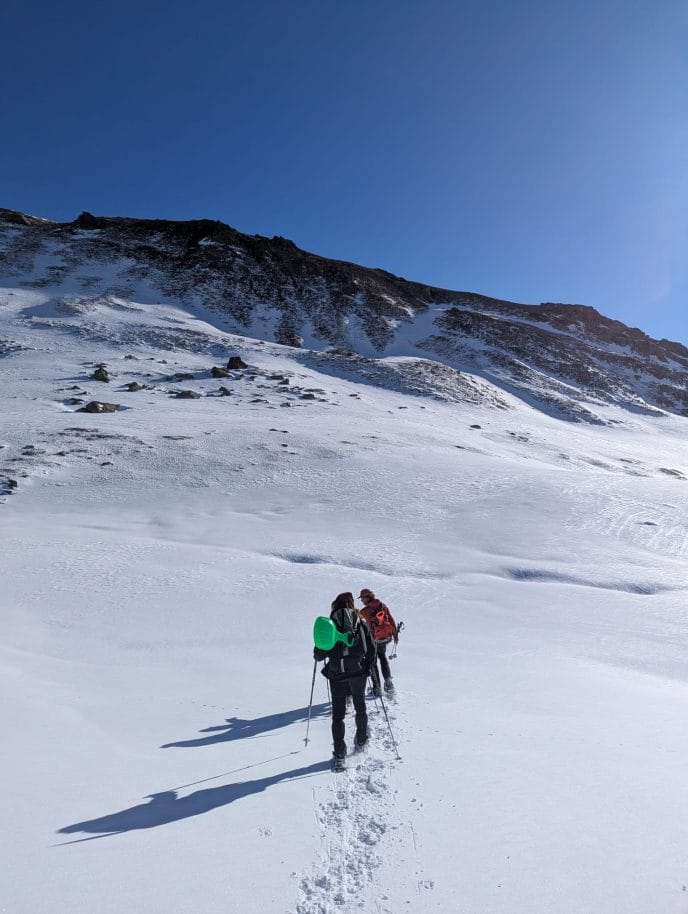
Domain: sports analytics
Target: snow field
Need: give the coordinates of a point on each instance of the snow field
(156, 663)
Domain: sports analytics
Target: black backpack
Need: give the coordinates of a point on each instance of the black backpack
(349, 662)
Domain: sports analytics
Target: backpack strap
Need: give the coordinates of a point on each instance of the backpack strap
(364, 638)
(353, 623)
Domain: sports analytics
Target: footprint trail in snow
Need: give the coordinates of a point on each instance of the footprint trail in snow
(360, 823)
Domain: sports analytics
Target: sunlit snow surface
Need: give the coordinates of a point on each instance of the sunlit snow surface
(161, 569)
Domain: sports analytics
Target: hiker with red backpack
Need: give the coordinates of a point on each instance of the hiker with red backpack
(348, 666)
(383, 629)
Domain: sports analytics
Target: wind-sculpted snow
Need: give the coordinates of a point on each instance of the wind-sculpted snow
(552, 577)
(358, 565)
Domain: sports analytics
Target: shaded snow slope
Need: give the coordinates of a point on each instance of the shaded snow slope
(162, 566)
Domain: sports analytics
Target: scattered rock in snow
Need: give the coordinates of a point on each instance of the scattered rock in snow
(96, 406)
(235, 362)
(101, 374)
(187, 395)
(134, 386)
(217, 372)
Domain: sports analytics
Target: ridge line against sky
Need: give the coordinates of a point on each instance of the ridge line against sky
(531, 152)
(315, 254)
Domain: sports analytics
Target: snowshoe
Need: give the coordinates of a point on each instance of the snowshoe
(360, 745)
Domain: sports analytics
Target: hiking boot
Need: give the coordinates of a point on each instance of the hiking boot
(360, 740)
(340, 751)
(389, 685)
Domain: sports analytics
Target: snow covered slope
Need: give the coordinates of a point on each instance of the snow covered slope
(162, 565)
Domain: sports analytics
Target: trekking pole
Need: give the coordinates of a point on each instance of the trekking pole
(375, 695)
(394, 742)
(396, 643)
(310, 703)
(374, 690)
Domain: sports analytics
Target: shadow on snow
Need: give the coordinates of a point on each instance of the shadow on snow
(167, 807)
(239, 728)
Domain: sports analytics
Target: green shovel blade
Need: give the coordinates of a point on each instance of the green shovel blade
(326, 634)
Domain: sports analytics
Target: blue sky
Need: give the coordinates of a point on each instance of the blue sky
(534, 150)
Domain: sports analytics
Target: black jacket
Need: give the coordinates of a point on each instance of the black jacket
(348, 662)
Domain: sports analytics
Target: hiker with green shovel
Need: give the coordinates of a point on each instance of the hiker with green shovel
(345, 641)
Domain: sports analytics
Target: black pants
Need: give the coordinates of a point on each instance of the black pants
(381, 657)
(356, 688)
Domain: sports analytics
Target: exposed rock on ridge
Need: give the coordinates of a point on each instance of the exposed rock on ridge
(554, 355)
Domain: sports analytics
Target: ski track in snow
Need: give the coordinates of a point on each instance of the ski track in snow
(360, 824)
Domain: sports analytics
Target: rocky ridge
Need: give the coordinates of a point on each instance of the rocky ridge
(564, 359)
